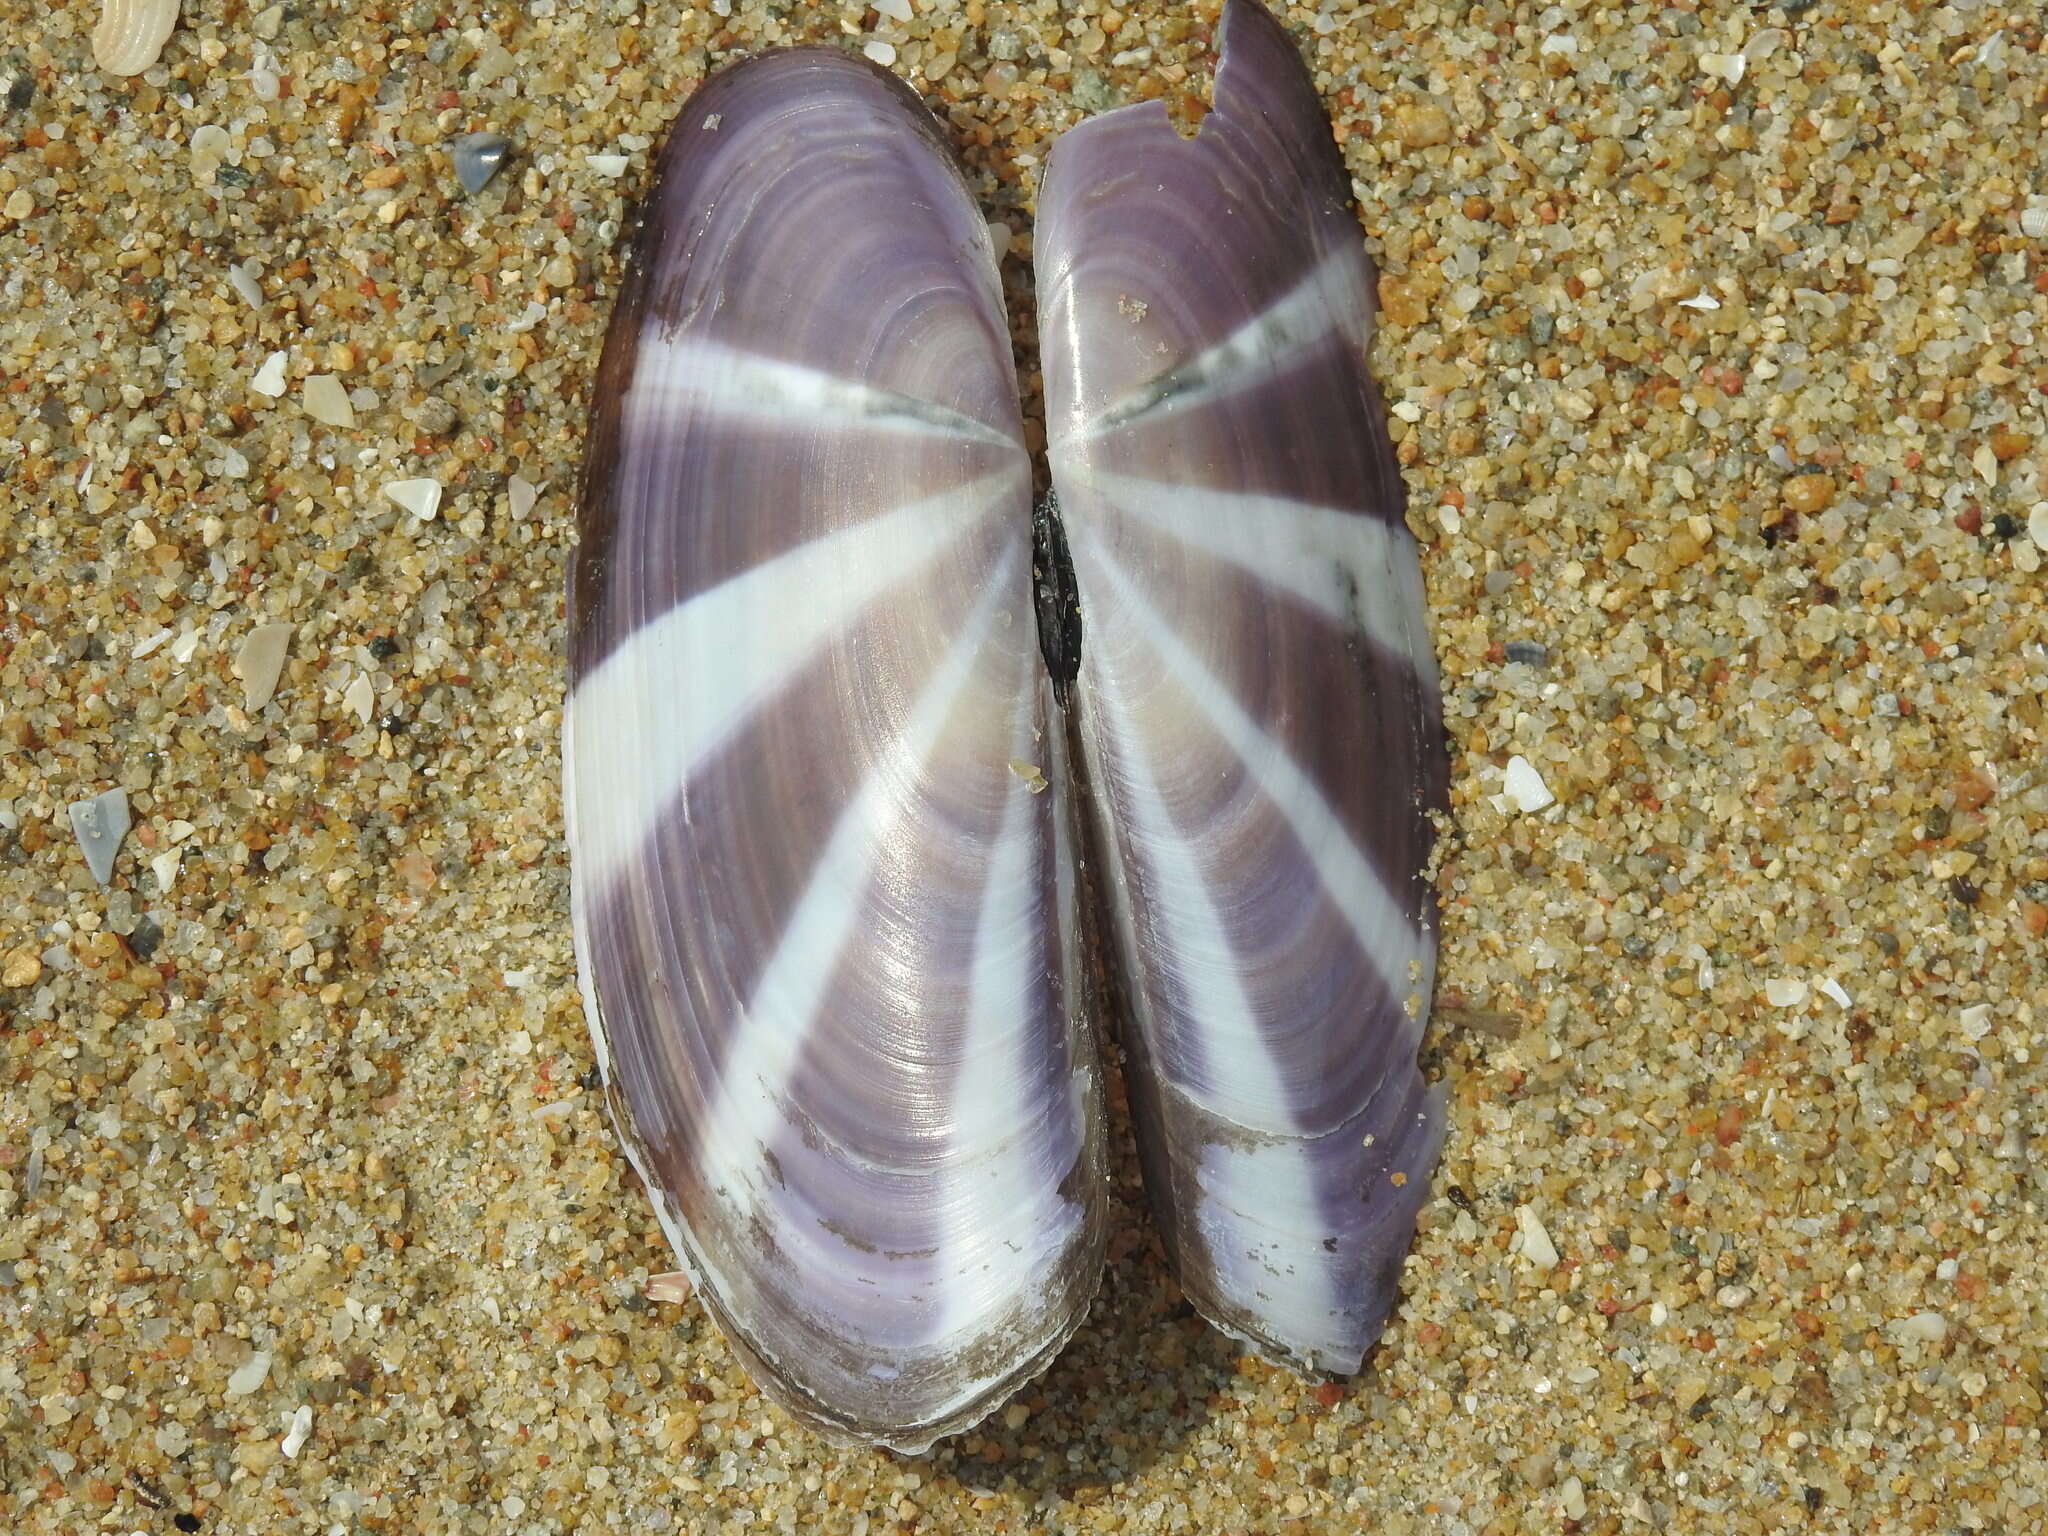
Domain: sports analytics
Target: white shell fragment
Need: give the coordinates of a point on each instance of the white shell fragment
(1523, 786)
(1724, 66)
(1785, 992)
(1920, 1328)
(422, 498)
(165, 867)
(297, 1431)
(611, 167)
(131, 34)
(522, 493)
(242, 279)
(360, 698)
(269, 379)
(1537, 1246)
(259, 662)
(99, 824)
(1977, 1021)
(327, 402)
(250, 1374)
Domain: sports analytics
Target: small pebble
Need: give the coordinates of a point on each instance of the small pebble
(1537, 1246)
(327, 401)
(1921, 1327)
(1573, 1497)
(521, 494)
(242, 278)
(1808, 494)
(435, 417)
(1785, 992)
(249, 1375)
(1527, 653)
(1523, 787)
(145, 936)
(269, 379)
(422, 498)
(672, 1288)
(165, 867)
(22, 968)
(360, 698)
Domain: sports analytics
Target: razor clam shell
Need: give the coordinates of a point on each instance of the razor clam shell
(819, 914)
(1257, 701)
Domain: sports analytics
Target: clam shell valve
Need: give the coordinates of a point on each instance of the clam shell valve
(836, 936)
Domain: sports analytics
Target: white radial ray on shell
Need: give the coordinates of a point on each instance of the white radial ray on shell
(652, 710)
(1349, 565)
(1253, 1185)
(1333, 294)
(1392, 942)
(1262, 1224)
(767, 1041)
(730, 382)
(1245, 1089)
(1011, 1221)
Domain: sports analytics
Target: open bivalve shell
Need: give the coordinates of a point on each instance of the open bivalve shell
(821, 806)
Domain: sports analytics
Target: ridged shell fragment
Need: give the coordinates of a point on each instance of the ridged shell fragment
(1256, 700)
(821, 923)
(131, 34)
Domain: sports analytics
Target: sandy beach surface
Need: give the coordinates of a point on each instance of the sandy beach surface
(1717, 340)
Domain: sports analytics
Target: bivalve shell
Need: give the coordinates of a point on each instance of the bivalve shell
(820, 918)
(1256, 699)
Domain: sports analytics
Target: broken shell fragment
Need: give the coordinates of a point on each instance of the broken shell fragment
(477, 157)
(1256, 699)
(260, 662)
(131, 34)
(820, 922)
(99, 824)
